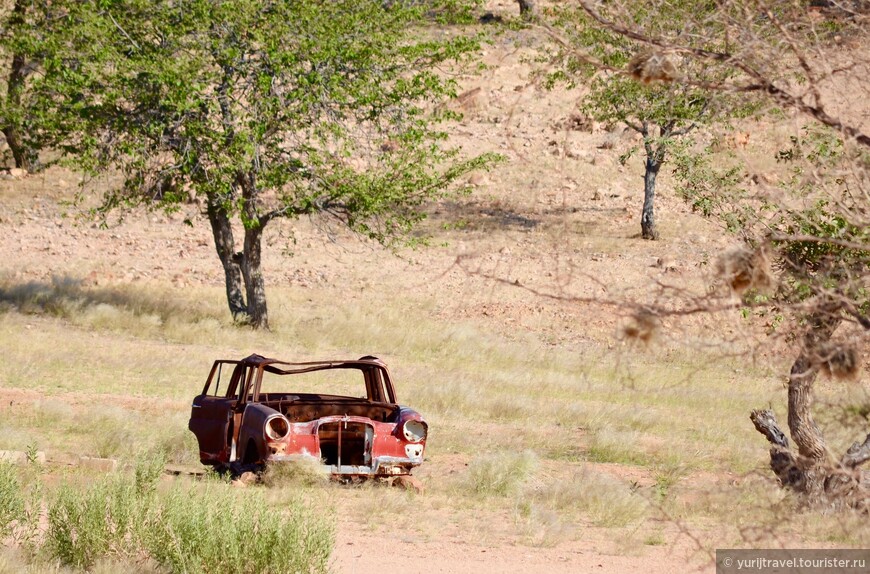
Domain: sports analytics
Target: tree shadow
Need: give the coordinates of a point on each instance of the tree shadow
(474, 216)
(65, 296)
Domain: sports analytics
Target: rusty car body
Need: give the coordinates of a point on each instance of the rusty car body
(258, 410)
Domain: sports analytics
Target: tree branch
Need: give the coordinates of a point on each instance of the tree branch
(762, 83)
(124, 32)
(782, 460)
(765, 423)
(858, 454)
(636, 127)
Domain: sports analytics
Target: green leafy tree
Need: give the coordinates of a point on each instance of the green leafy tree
(28, 34)
(10, 106)
(632, 86)
(265, 109)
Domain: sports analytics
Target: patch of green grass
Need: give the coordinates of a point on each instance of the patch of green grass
(665, 479)
(655, 538)
(215, 528)
(85, 525)
(622, 447)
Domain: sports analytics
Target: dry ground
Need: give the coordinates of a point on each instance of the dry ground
(617, 457)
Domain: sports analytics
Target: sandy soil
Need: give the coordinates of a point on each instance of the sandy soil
(358, 553)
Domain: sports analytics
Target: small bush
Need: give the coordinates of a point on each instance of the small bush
(501, 474)
(85, 525)
(11, 501)
(102, 521)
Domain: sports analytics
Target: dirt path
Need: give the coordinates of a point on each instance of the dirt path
(359, 552)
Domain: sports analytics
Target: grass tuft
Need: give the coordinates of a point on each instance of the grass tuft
(85, 525)
(602, 499)
(541, 526)
(302, 471)
(11, 501)
(500, 474)
(218, 529)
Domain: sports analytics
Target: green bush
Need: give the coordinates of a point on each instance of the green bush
(11, 501)
(214, 528)
(85, 525)
(209, 527)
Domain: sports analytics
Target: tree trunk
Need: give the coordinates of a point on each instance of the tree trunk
(527, 8)
(255, 285)
(804, 430)
(225, 247)
(810, 471)
(24, 157)
(655, 157)
(647, 218)
(782, 460)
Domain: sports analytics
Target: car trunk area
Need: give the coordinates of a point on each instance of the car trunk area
(346, 443)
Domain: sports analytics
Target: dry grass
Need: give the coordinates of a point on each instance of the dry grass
(500, 474)
(596, 497)
(122, 377)
(300, 472)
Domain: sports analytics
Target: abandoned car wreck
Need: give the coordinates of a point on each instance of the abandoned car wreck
(341, 413)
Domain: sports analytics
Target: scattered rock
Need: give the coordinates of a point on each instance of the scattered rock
(409, 483)
(576, 122)
(580, 154)
(248, 477)
(665, 264)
